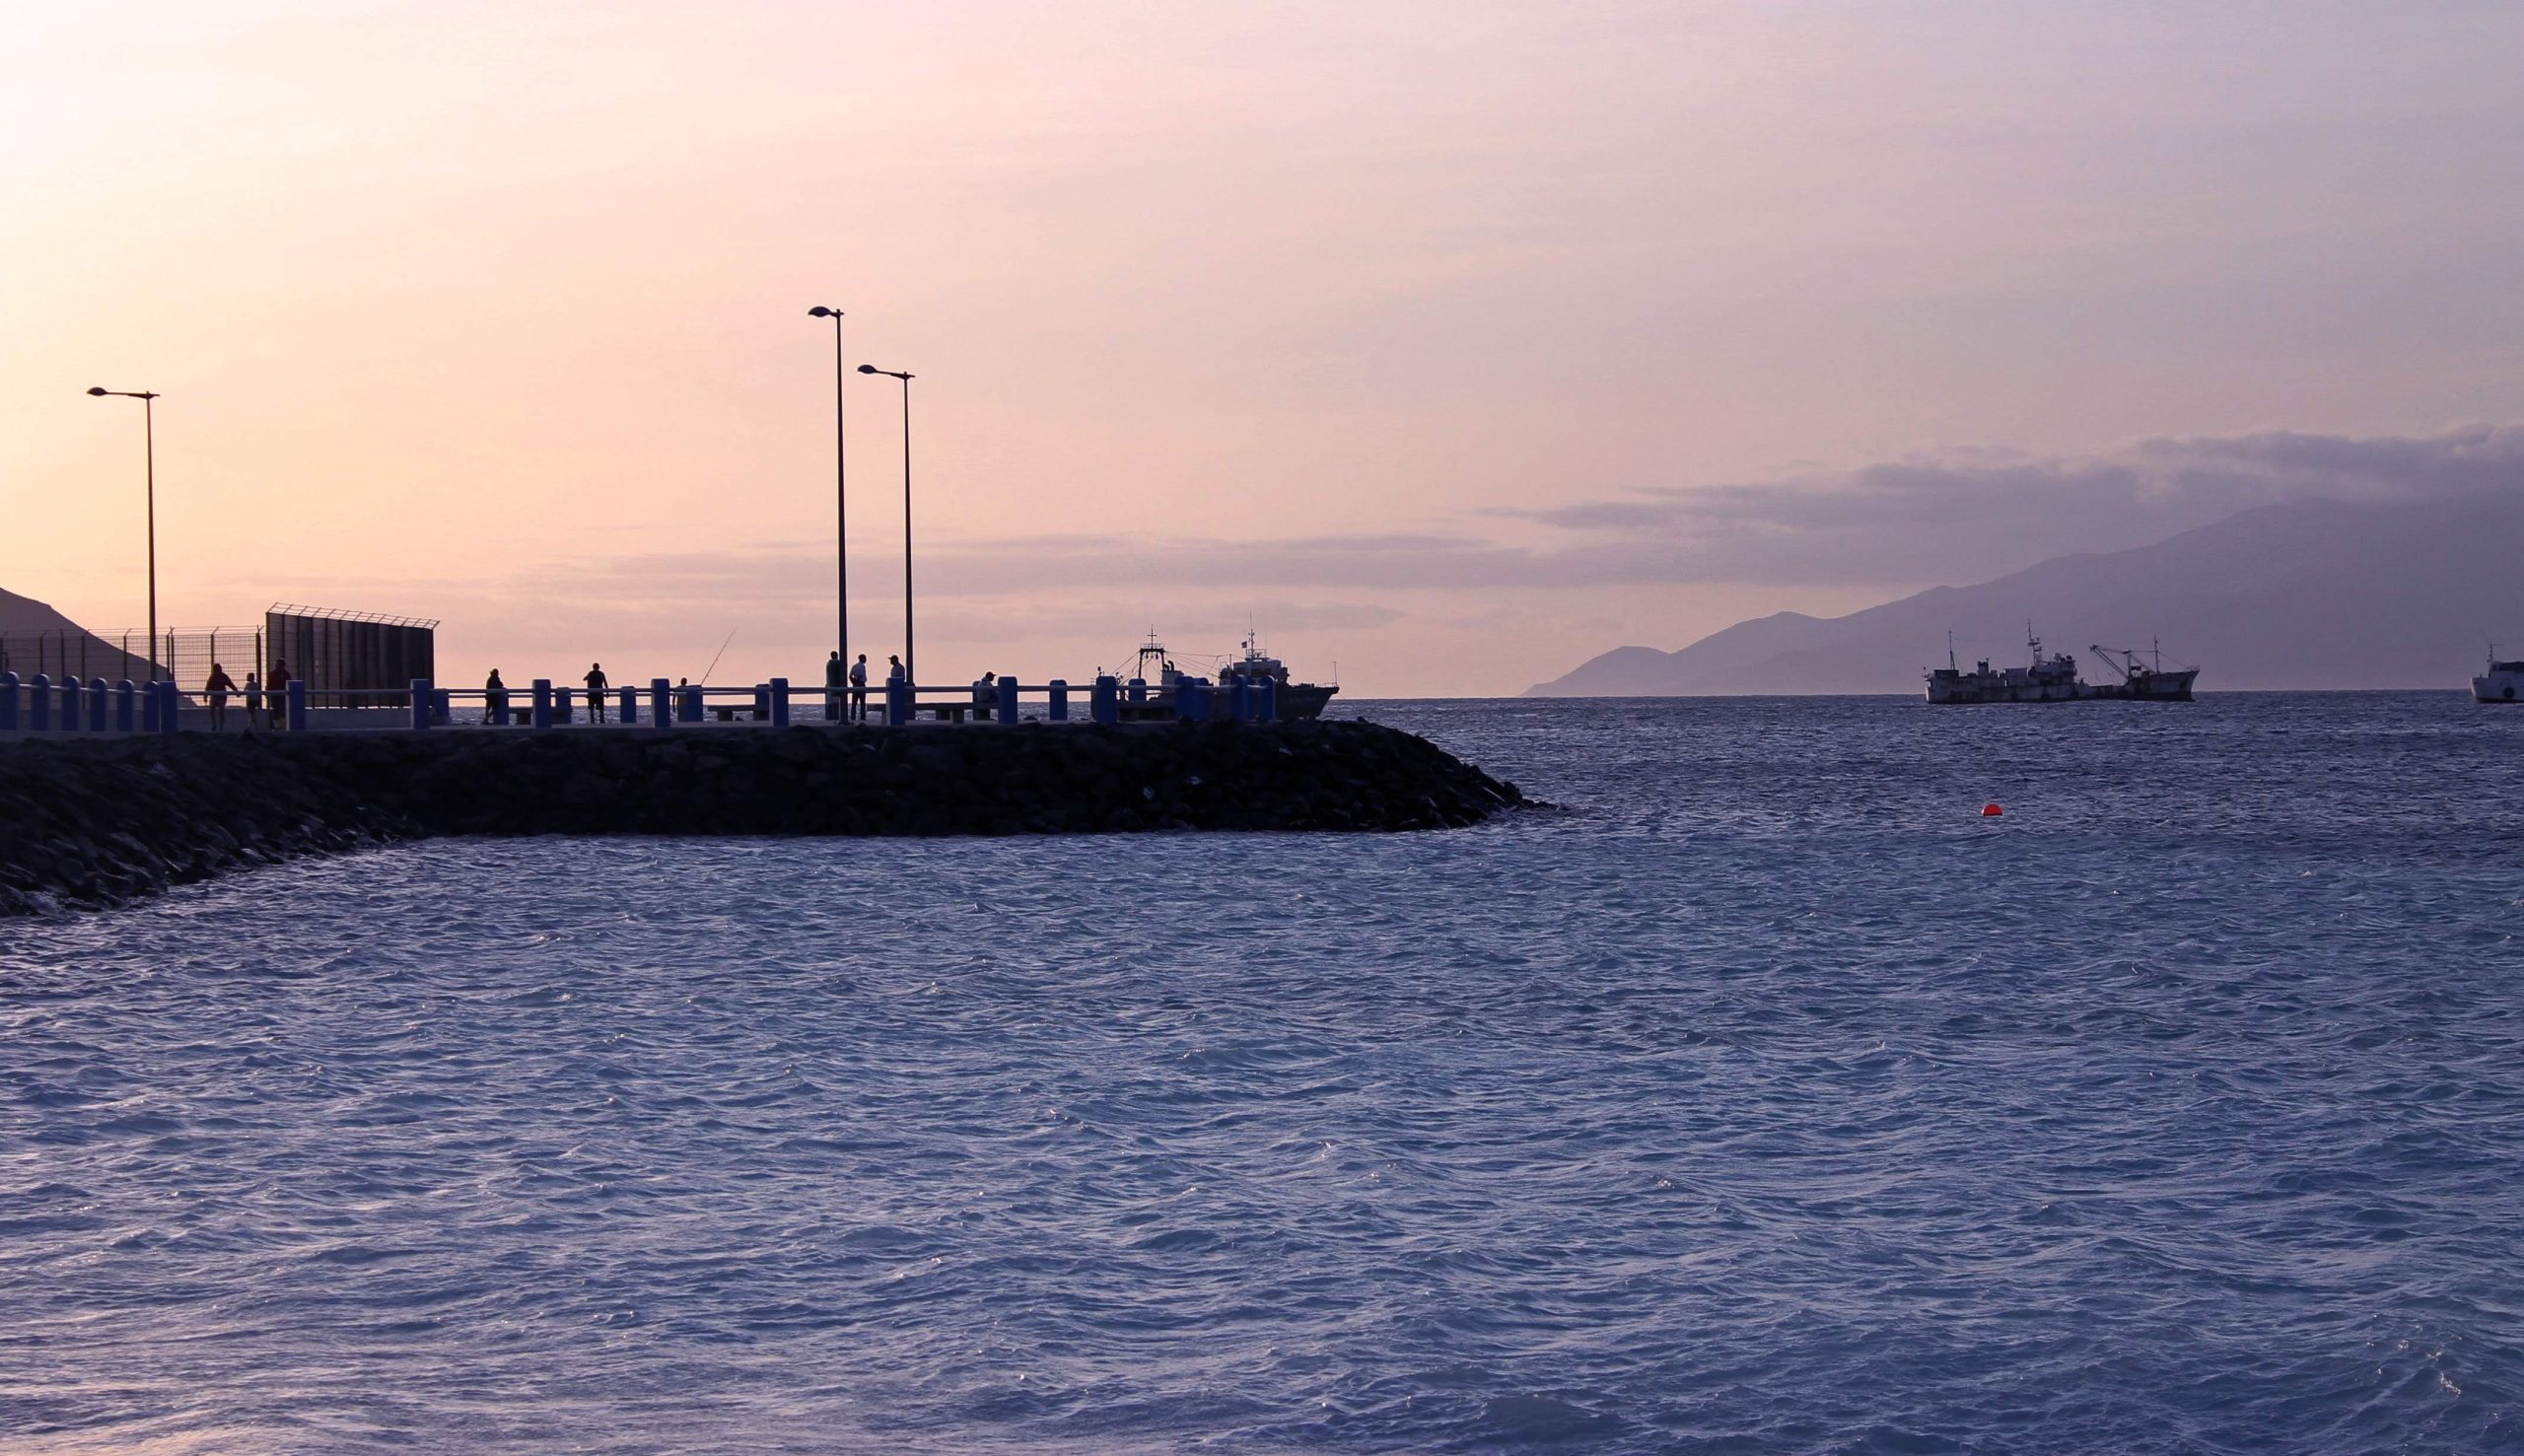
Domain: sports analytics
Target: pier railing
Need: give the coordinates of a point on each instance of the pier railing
(42, 704)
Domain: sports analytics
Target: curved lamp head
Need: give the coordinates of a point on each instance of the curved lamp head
(820, 311)
(866, 369)
(99, 390)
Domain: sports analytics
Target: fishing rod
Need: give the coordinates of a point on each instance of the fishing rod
(714, 659)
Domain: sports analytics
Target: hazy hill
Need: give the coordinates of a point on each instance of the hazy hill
(2310, 594)
(34, 637)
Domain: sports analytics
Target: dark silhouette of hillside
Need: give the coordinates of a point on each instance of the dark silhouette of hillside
(34, 637)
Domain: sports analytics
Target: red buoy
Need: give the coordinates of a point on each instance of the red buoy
(1991, 811)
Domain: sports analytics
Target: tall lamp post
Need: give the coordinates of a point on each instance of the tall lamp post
(840, 484)
(148, 436)
(910, 672)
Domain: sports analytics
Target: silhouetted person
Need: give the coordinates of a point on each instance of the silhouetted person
(279, 689)
(217, 687)
(859, 689)
(495, 697)
(596, 692)
(253, 701)
(985, 694)
(832, 686)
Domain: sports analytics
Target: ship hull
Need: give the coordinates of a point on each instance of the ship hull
(1302, 700)
(2162, 687)
(1291, 700)
(2498, 687)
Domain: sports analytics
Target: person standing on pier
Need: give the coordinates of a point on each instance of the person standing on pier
(495, 697)
(278, 688)
(596, 692)
(832, 686)
(217, 689)
(859, 689)
(253, 701)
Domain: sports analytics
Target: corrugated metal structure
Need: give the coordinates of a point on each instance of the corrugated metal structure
(351, 659)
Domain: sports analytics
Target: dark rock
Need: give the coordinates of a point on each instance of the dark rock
(91, 822)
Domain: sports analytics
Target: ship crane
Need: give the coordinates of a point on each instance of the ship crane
(2128, 665)
(2128, 669)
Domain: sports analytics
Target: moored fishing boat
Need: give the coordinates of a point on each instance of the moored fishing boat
(1157, 674)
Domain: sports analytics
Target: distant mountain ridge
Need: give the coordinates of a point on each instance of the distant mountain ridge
(2306, 595)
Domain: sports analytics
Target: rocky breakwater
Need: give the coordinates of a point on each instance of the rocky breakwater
(93, 822)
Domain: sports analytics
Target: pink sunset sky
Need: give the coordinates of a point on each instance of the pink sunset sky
(1450, 342)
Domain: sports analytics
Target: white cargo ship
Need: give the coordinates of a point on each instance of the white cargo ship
(2500, 683)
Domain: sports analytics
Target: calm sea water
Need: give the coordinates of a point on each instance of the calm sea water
(1762, 1099)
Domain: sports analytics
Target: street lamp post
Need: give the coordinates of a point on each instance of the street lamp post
(840, 488)
(148, 437)
(910, 672)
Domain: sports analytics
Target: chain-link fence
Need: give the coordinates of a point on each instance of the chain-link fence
(63, 652)
(371, 657)
(184, 653)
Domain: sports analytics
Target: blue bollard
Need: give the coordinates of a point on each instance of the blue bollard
(148, 707)
(898, 703)
(777, 691)
(561, 701)
(40, 703)
(761, 701)
(97, 691)
(1103, 702)
(1240, 697)
(8, 702)
(1058, 688)
(125, 692)
(543, 701)
(1008, 700)
(630, 705)
(1191, 700)
(443, 705)
(298, 704)
(423, 691)
(1139, 690)
(690, 709)
(70, 705)
(661, 703)
(171, 708)
(1266, 701)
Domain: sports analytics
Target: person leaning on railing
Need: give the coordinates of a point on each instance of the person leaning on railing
(495, 699)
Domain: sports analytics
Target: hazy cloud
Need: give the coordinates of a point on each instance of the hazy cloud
(1966, 516)
(1960, 518)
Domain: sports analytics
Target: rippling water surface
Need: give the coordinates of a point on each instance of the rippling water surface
(1762, 1099)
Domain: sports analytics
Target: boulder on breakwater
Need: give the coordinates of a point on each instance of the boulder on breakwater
(92, 822)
